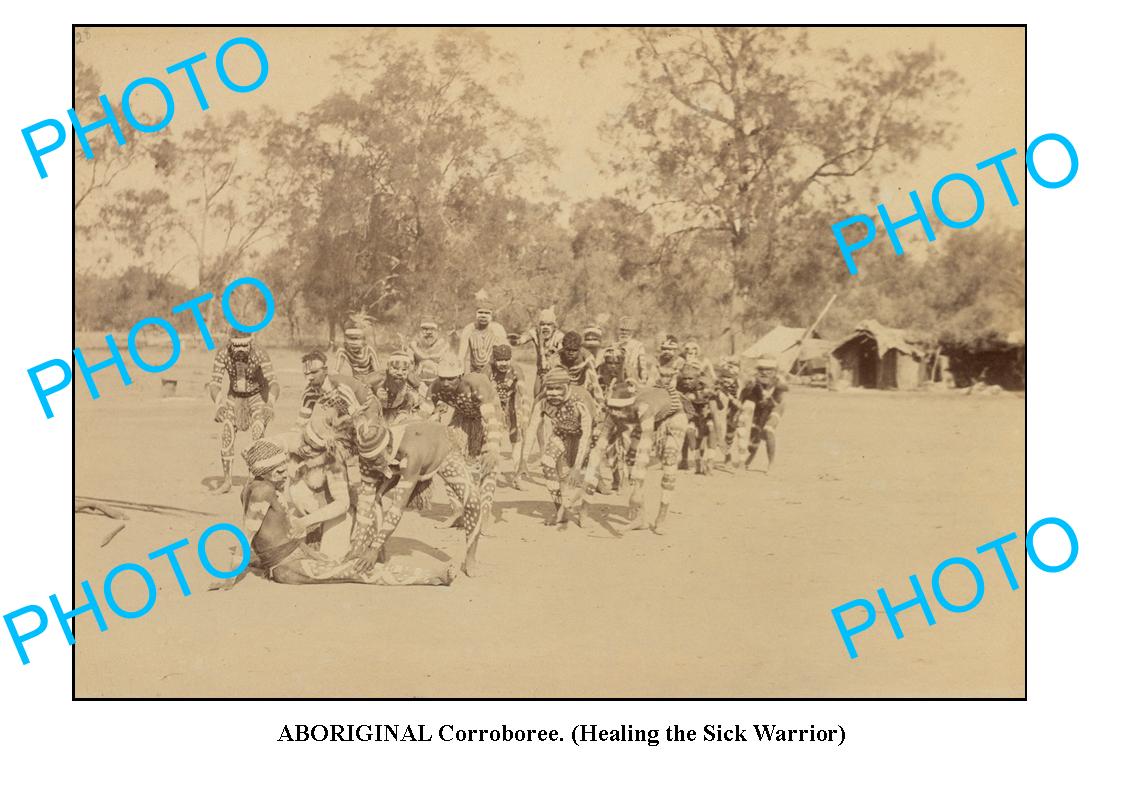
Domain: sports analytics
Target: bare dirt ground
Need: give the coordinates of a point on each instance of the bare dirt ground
(868, 488)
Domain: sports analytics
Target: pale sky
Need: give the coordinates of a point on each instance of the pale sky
(572, 101)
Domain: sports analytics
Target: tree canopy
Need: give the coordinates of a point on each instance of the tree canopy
(413, 185)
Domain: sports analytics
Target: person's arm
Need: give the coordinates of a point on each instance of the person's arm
(340, 499)
(397, 499)
(517, 397)
(525, 395)
(641, 363)
(748, 400)
(257, 508)
(274, 389)
(368, 519)
(643, 447)
(597, 453)
(465, 335)
(490, 414)
(307, 401)
(443, 412)
(379, 390)
(412, 402)
(442, 408)
(340, 362)
(218, 373)
(586, 417)
(531, 430)
(592, 381)
(373, 524)
(259, 503)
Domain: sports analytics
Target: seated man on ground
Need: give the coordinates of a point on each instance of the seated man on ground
(278, 548)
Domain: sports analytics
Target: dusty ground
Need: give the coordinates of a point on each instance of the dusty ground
(734, 601)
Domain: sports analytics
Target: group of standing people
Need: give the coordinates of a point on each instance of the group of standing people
(324, 498)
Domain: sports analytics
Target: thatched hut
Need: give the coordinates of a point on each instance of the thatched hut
(988, 360)
(879, 357)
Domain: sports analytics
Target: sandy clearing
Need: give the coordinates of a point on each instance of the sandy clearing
(734, 601)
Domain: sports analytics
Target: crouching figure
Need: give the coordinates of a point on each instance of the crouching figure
(400, 462)
(278, 547)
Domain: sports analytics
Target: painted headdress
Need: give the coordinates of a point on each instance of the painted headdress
(263, 456)
(555, 377)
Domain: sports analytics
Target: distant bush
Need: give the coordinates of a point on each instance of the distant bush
(119, 301)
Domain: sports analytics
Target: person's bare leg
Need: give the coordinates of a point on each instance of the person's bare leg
(572, 495)
(396, 500)
(336, 538)
(575, 507)
(769, 447)
(305, 501)
(226, 453)
(635, 507)
(485, 495)
(551, 461)
(456, 475)
(608, 470)
(754, 446)
(463, 491)
(667, 482)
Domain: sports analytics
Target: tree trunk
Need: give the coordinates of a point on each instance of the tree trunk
(210, 318)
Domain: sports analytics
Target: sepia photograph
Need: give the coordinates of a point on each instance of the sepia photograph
(523, 362)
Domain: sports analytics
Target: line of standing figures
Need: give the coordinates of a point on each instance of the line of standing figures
(324, 497)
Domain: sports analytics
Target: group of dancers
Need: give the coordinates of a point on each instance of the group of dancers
(324, 497)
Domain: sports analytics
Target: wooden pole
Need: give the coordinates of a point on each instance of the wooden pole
(807, 333)
(113, 532)
(811, 328)
(94, 506)
(107, 505)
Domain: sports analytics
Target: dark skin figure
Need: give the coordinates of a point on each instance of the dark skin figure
(271, 541)
(425, 452)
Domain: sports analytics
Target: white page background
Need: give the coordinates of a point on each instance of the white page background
(1060, 738)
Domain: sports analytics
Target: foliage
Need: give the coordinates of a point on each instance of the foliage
(409, 181)
(93, 177)
(412, 186)
(117, 302)
(234, 190)
(970, 292)
(744, 140)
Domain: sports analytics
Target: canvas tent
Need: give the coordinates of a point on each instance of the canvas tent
(879, 357)
(782, 342)
(813, 362)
